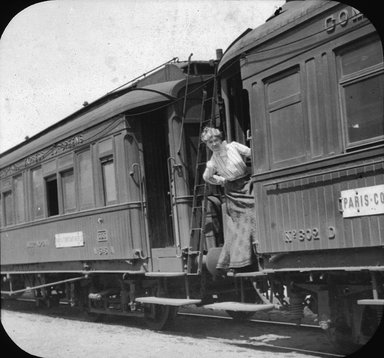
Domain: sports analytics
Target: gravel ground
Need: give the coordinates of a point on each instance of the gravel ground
(64, 333)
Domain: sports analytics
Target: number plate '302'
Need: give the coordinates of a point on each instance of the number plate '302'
(301, 235)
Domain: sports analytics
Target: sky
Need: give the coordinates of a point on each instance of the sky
(54, 55)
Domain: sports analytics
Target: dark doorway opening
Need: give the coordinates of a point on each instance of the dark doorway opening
(156, 153)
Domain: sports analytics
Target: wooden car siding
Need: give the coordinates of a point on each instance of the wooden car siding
(123, 224)
(312, 203)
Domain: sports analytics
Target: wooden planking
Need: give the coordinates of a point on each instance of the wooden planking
(120, 243)
(311, 203)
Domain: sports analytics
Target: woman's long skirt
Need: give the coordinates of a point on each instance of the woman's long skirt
(237, 250)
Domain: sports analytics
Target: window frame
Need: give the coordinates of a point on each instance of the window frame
(77, 171)
(1, 210)
(104, 160)
(32, 195)
(15, 206)
(62, 174)
(47, 179)
(292, 99)
(343, 81)
(12, 209)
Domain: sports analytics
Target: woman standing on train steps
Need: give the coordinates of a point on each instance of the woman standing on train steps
(226, 167)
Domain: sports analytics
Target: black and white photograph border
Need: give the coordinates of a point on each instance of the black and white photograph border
(113, 241)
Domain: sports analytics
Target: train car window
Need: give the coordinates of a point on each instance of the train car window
(18, 188)
(85, 180)
(8, 208)
(109, 180)
(286, 122)
(52, 195)
(69, 195)
(239, 110)
(37, 193)
(361, 81)
(1, 211)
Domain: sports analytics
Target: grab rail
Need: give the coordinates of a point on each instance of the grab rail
(172, 193)
(142, 206)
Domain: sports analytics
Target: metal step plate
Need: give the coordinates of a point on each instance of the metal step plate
(165, 274)
(373, 302)
(246, 274)
(167, 301)
(239, 306)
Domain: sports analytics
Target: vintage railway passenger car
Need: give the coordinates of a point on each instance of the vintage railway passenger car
(107, 189)
(307, 90)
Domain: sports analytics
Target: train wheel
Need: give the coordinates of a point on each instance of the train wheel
(341, 333)
(52, 301)
(159, 317)
(340, 338)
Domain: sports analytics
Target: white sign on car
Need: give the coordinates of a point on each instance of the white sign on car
(362, 201)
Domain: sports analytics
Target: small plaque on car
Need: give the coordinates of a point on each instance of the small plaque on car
(362, 201)
(102, 235)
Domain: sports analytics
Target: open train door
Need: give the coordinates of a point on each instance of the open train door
(154, 131)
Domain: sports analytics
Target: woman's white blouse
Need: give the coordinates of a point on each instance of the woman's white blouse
(226, 164)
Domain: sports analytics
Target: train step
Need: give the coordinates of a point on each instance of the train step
(239, 306)
(246, 274)
(165, 274)
(167, 301)
(371, 302)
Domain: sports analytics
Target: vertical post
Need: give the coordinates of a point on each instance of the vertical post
(272, 291)
(187, 287)
(242, 290)
(72, 294)
(374, 286)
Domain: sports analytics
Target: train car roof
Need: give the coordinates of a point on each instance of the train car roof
(155, 86)
(86, 117)
(291, 14)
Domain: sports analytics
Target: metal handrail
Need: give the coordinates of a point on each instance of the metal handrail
(172, 192)
(184, 104)
(142, 206)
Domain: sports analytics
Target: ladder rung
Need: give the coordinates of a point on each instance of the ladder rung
(201, 191)
(200, 194)
(201, 188)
